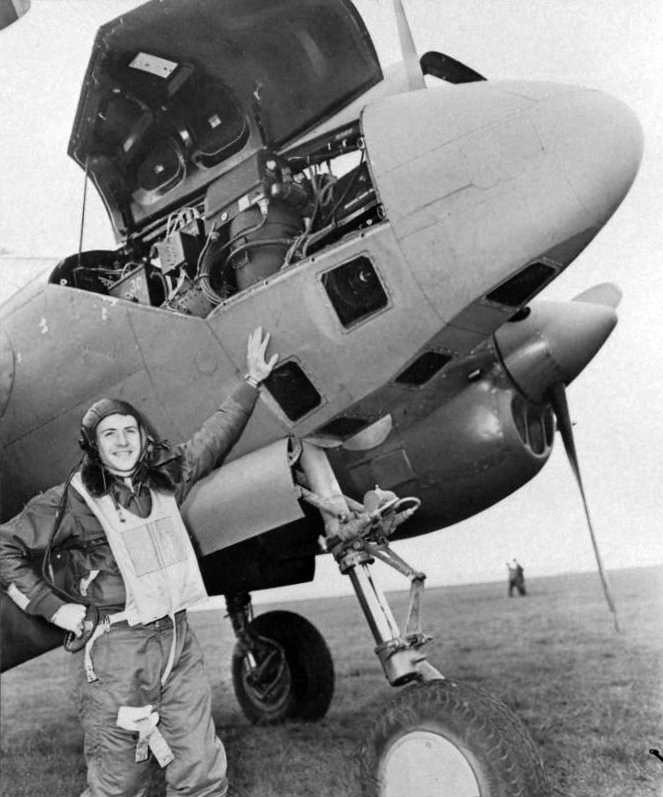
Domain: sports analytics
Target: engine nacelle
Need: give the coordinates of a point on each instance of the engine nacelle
(470, 453)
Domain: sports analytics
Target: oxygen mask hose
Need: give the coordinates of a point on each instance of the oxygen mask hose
(72, 643)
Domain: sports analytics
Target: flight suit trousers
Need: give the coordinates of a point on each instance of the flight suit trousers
(129, 662)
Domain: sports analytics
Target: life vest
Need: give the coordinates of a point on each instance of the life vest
(154, 555)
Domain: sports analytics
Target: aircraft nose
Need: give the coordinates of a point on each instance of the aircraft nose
(553, 343)
(598, 143)
(481, 179)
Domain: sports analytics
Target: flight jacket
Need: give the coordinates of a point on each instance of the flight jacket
(80, 546)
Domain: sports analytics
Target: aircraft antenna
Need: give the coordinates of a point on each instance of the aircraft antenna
(80, 237)
(415, 77)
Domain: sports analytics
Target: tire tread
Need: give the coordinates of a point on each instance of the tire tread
(506, 754)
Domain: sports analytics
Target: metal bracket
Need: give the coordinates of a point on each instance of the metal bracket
(356, 535)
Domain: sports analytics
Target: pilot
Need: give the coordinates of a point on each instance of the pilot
(119, 545)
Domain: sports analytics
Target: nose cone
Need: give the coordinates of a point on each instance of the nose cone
(553, 344)
(598, 144)
(480, 179)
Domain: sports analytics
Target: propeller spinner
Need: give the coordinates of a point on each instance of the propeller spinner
(545, 351)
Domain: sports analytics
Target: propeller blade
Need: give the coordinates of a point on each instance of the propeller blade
(561, 409)
(447, 68)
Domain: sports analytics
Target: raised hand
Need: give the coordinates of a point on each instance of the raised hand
(258, 367)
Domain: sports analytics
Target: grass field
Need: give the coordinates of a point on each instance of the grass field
(592, 699)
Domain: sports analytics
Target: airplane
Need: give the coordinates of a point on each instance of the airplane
(392, 229)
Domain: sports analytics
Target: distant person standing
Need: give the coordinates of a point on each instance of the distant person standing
(516, 578)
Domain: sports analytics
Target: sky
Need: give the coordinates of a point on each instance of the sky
(611, 45)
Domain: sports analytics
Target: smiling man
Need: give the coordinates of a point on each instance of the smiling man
(120, 443)
(115, 548)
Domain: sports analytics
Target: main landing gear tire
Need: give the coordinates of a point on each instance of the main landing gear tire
(444, 739)
(289, 675)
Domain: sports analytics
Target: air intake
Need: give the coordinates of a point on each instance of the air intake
(423, 368)
(523, 286)
(293, 390)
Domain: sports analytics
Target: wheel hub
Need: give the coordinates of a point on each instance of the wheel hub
(266, 674)
(425, 764)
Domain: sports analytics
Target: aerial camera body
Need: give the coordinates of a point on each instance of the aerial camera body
(263, 215)
(206, 149)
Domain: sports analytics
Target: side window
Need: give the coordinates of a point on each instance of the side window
(292, 390)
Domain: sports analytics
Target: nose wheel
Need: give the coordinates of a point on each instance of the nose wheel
(445, 739)
(435, 738)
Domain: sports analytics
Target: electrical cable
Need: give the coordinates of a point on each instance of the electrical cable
(71, 643)
(46, 567)
(349, 186)
(203, 268)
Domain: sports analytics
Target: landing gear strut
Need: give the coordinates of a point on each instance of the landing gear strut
(436, 738)
(357, 534)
